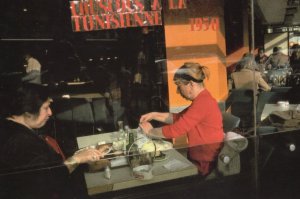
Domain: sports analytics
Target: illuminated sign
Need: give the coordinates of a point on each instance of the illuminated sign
(90, 15)
(281, 29)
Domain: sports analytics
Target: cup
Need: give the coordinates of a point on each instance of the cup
(283, 104)
(143, 172)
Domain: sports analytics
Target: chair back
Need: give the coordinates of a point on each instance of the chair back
(74, 109)
(230, 122)
(222, 106)
(101, 111)
(284, 89)
(241, 103)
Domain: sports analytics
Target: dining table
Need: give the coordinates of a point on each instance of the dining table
(269, 108)
(175, 165)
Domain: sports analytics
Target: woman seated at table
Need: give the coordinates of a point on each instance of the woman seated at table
(201, 121)
(29, 166)
(243, 78)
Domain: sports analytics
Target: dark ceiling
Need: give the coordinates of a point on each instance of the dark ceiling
(278, 12)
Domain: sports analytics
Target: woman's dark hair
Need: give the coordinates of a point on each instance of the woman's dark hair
(261, 49)
(26, 98)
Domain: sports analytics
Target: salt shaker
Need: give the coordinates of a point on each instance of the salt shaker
(107, 173)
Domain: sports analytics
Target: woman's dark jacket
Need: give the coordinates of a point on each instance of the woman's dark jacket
(29, 167)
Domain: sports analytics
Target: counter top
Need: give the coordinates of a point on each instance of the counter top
(121, 177)
(269, 108)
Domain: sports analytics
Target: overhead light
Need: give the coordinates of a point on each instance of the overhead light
(269, 30)
(67, 96)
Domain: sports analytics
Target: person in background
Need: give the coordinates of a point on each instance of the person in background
(29, 166)
(295, 58)
(278, 59)
(261, 59)
(201, 121)
(33, 70)
(243, 78)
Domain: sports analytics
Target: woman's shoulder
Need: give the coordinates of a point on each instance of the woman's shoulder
(12, 133)
(204, 97)
(12, 127)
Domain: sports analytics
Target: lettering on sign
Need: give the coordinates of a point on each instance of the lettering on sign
(204, 23)
(177, 4)
(89, 15)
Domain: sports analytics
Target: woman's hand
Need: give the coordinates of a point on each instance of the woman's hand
(150, 131)
(146, 127)
(160, 117)
(90, 155)
(147, 117)
(103, 148)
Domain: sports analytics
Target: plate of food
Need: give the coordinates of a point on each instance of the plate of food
(161, 157)
(158, 146)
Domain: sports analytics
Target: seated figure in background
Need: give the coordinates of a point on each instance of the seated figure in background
(278, 59)
(33, 70)
(261, 59)
(243, 78)
(295, 58)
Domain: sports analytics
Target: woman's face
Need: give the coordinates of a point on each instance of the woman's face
(261, 53)
(183, 88)
(40, 120)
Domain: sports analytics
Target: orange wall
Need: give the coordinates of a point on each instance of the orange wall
(181, 35)
(205, 47)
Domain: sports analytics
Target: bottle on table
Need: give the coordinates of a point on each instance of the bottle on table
(122, 136)
(130, 145)
(132, 149)
(107, 173)
(121, 129)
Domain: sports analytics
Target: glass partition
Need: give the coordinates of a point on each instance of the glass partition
(175, 96)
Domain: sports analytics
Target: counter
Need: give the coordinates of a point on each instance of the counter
(175, 166)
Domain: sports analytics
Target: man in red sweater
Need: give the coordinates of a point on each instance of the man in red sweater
(201, 121)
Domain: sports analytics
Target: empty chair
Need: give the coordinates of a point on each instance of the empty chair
(75, 110)
(241, 103)
(222, 106)
(72, 118)
(103, 117)
(230, 122)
